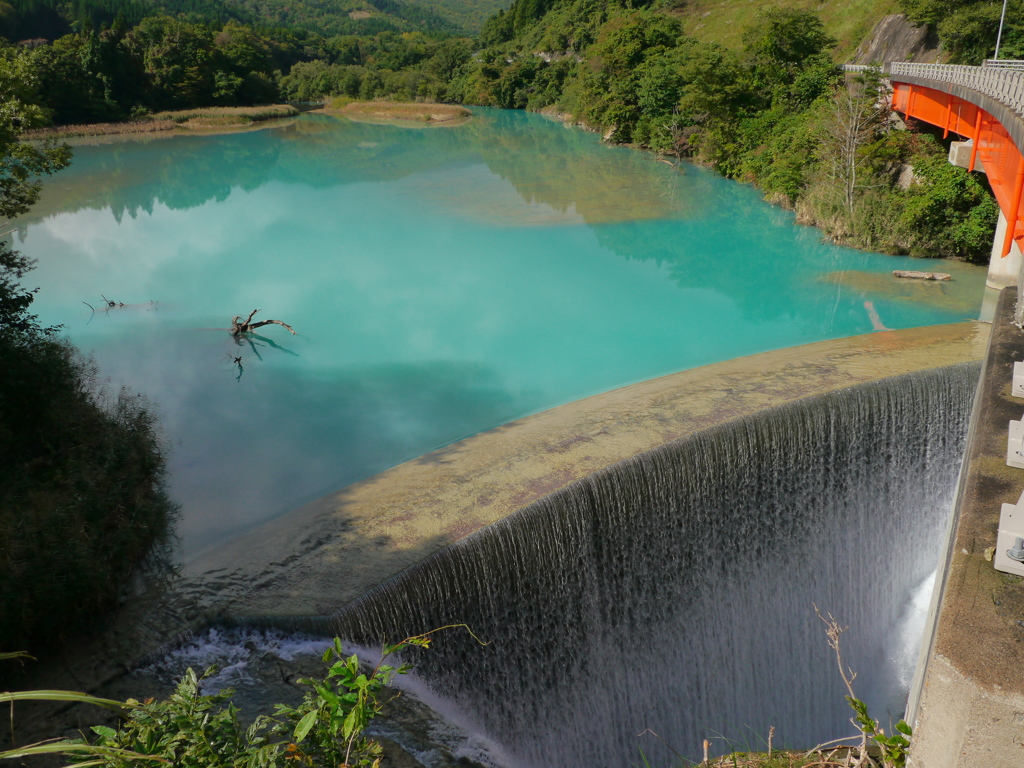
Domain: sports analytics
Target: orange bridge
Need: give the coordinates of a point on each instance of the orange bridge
(983, 104)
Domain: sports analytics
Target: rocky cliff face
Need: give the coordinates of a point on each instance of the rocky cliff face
(895, 38)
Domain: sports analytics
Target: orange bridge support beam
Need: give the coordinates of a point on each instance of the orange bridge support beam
(1011, 223)
(1000, 157)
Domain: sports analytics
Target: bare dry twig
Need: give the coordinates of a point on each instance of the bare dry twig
(248, 326)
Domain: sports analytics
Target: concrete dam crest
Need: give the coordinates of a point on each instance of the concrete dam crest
(320, 557)
(648, 558)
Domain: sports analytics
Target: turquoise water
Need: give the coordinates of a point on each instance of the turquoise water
(442, 281)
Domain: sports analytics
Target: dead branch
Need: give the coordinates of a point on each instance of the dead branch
(237, 360)
(277, 322)
(239, 326)
(833, 632)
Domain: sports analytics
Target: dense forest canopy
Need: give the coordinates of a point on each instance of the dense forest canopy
(774, 113)
(968, 28)
(50, 19)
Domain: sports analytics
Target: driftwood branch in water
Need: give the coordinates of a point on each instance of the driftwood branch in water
(913, 274)
(239, 326)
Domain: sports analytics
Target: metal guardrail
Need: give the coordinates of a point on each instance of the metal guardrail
(1002, 84)
(1004, 63)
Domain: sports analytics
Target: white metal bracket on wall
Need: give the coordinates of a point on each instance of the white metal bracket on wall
(1009, 555)
(1017, 389)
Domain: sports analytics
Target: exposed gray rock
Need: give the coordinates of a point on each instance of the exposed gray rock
(907, 177)
(895, 38)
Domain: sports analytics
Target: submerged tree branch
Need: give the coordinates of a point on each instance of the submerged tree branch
(239, 326)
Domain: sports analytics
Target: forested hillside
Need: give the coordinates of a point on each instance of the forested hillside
(50, 19)
(968, 28)
(777, 112)
(346, 17)
(165, 63)
(769, 106)
(723, 21)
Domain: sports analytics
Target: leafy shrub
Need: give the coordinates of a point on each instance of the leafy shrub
(952, 213)
(193, 730)
(82, 500)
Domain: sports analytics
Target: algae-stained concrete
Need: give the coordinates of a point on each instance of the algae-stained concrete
(970, 706)
(327, 553)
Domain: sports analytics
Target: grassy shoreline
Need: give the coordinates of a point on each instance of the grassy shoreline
(204, 120)
(413, 114)
(211, 121)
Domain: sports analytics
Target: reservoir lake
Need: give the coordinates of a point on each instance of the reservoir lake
(441, 281)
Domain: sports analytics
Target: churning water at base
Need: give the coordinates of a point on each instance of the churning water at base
(675, 591)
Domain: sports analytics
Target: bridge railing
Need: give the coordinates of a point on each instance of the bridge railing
(1004, 63)
(1003, 84)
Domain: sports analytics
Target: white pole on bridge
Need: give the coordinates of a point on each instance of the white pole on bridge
(999, 35)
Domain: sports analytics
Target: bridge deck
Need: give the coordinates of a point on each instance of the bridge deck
(979, 103)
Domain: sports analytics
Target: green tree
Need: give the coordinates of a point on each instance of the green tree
(934, 11)
(970, 33)
(783, 42)
(949, 212)
(81, 494)
(72, 84)
(21, 164)
(178, 60)
(967, 29)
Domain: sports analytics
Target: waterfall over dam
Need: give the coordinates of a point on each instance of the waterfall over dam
(675, 591)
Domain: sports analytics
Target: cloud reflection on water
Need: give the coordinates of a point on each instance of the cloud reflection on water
(441, 281)
(244, 451)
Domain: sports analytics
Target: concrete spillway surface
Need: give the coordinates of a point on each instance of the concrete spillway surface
(649, 558)
(675, 591)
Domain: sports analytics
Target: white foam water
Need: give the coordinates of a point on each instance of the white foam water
(906, 636)
(232, 653)
(675, 592)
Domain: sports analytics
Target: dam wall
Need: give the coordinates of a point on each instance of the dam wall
(320, 557)
(967, 705)
(675, 592)
(651, 557)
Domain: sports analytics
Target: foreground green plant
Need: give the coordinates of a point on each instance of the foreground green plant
(330, 720)
(91, 754)
(194, 730)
